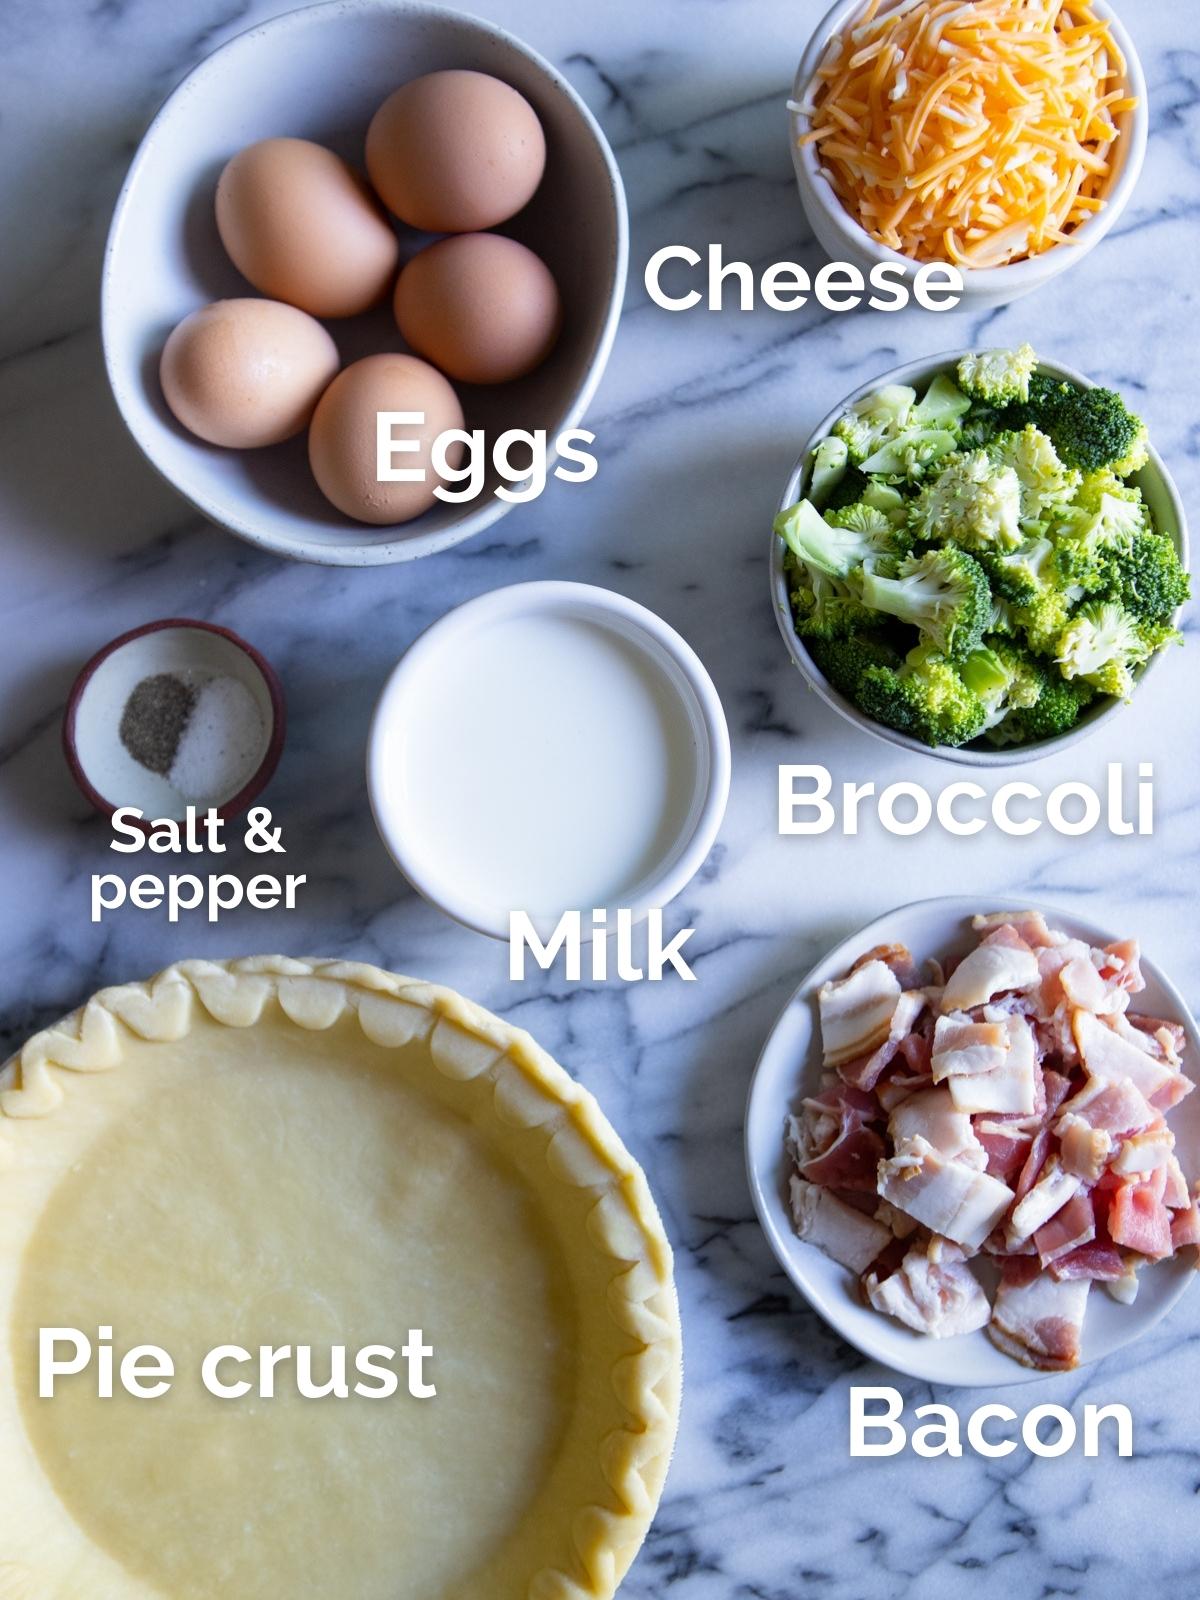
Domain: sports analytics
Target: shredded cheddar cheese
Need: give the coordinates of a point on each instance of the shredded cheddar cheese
(973, 131)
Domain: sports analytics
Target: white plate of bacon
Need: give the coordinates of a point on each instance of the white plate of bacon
(972, 1144)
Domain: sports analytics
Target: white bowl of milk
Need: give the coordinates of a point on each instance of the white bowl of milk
(548, 747)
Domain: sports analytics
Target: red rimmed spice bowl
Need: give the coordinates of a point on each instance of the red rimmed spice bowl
(173, 714)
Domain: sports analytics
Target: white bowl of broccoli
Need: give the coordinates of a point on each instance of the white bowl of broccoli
(979, 557)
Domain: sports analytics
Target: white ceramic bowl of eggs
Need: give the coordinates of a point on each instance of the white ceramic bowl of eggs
(360, 206)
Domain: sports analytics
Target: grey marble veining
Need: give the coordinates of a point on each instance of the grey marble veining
(698, 420)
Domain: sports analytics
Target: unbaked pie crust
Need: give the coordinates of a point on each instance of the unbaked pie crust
(270, 1151)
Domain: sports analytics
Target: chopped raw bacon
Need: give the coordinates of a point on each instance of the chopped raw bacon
(1083, 986)
(1100, 1262)
(1030, 926)
(857, 1013)
(1011, 1087)
(1176, 1088)
(1140, 1221)
(962, 1047)
(1047, 1197)
(1176, 1196)
(865, 1071)
(1018, 1270)
(899, 958)
(1055, 1089)
(1074, 1225)
(948, 1197)
(990, 969)
(1039, 1323)
(1006, 1147)
(1034, 1162)
(1185, 1227)
(932, 1115)
(1170, 1037)
(1018, 1110)
(896, 1086)
(836, 1228)
(1108, 1056)
(934, 1292)
(1125, 964)
(1116, 1107)
(1145, 1152)
(1085, 1150)
(832, 1141)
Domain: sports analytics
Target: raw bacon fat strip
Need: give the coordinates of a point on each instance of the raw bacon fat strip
(948, 1197)
(962, 1047)
(1048, 1195)
(1085, 1150)
(934, 1292)
(979, 133)
(992, 968)
(1039, 1322)
(1028, 925)
(856, 1012)
(839, 1230)
(932, 1116)
(1009, 1088)
(1108, 1056)
(865, 1071)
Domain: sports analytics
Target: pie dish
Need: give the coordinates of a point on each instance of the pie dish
(270, 1151)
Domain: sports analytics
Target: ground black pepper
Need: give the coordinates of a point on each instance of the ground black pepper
(154, 718)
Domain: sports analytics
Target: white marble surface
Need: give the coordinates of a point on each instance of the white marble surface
(698, 420)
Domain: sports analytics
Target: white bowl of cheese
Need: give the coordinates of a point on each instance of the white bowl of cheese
(844, 237)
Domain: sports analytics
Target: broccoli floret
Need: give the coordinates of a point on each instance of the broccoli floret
(943, 593)
(822, 545)
(998, 377)
(861, 518)
(850, 489)
(1041, 621)
(1092, 429)
(1148, 579)
(1107, 516)
(973, 502)
(886, 542)
(1001, 620)
(883, 497)
(1046, 484)
(871, 421)
(980, 426)
(925, 697)
(828, 608)
(829, 463)
(1056, 711)
(843, 661)
(1156, 636)
(1019, 576)
(921, 435)
(1004, 677)
(911, 454)
(943, 405)
(1102, 645)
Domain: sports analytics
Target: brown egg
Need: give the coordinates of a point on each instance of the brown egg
(455, 152)
(481, 307)
(243, 373)
(303, 226)
(342, 448)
